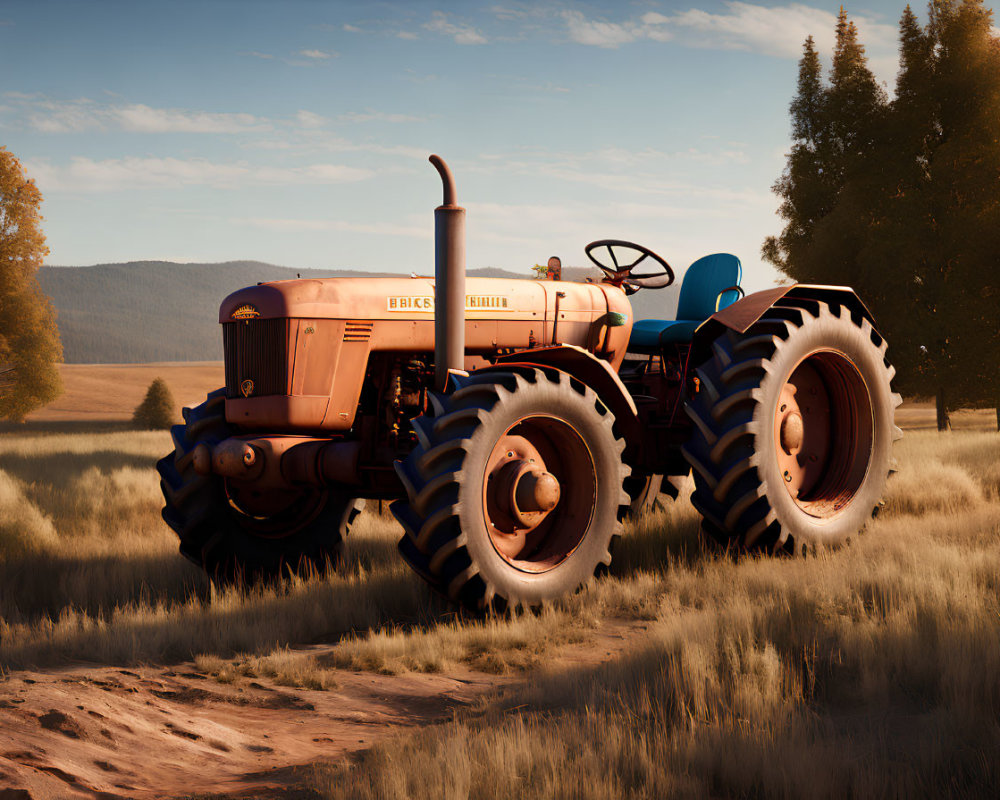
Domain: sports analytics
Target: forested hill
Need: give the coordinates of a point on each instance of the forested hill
(146, 311)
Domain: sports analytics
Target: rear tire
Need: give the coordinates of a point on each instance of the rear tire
(229, 544)
(460, 534)
(793, 429)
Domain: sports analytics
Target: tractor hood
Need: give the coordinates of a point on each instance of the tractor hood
(282, 299)
(407, 299)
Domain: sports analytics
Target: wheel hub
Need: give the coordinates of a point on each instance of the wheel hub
(536, 491)
(823, 433)
(526, 492)
(791, 433)
(539, 489)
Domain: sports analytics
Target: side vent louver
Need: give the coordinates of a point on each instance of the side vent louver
(357, 331)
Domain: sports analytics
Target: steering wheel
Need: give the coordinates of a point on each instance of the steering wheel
(621, 273)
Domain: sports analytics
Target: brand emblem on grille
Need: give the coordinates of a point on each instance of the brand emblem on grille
(247, 387)
(246, 311)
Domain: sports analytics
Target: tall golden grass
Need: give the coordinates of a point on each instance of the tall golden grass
(872, 670)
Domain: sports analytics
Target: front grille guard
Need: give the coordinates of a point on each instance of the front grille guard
(256, 353)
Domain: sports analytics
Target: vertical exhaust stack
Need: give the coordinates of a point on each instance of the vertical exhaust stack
(449, 280)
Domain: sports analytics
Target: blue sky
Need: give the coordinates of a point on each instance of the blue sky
(298, 132)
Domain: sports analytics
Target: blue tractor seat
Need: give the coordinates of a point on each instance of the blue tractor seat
(710, 283)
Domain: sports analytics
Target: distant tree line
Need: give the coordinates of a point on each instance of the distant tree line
(900, 198)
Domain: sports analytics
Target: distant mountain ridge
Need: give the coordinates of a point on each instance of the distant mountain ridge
(144, 311)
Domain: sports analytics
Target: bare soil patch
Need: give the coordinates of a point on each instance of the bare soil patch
(159, 731)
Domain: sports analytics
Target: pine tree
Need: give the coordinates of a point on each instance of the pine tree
(157, 410)
(914, 223)
(29, 338)
(804, 188)
(855, 102)
(900, 242)
(855, 118)
(836, 130)
(965, 175)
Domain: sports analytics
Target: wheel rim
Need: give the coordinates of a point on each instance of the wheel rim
(823, 433)
(273, 514)
(539, 491)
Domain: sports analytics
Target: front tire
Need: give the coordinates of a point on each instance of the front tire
(793, 430)
(257, 538)
(514, 492)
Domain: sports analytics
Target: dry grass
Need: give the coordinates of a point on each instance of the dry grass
(284, 666)
(88, 570)
(873, 670)
(102, 392)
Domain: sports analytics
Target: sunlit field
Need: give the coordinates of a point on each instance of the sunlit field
(873, 670)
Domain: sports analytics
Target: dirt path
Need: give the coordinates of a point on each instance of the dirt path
(102, 732)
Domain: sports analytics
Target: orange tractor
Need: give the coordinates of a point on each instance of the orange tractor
(515, 422)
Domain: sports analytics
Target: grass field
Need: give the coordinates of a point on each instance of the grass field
(105, 394)
(873, 670)
(109, 393)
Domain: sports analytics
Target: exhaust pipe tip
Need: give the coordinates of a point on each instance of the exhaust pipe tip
(446, 179)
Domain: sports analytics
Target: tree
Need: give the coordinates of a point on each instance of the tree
(914, 220)
(29, 339)
(836, 131)
(805, 189)
(157, 411)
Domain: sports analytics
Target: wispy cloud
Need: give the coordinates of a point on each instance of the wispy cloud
(462, 33)
(319, 55)
(256, 54)
(308, 119)
(377, 116)
(85, 175)
(72, 116)
(601, 33)
(352, 28)
(319, 141)
(144, 119)
(518, 11)
(629, 172)
(777, 31)
(312, 121)
(304, 225)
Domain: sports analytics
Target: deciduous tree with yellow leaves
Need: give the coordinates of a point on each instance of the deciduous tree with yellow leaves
(29, 339)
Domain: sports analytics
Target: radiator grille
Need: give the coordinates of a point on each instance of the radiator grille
(256, 354)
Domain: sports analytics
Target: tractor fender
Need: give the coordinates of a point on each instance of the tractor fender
(586, 368)
(743, 313)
